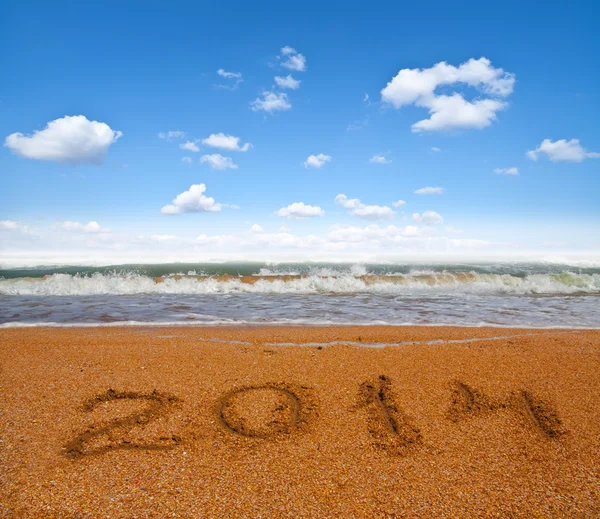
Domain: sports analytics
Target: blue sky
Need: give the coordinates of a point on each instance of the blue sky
(80, 191)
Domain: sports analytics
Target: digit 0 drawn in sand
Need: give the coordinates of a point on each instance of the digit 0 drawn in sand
(389, 426)
(469, 402)
(112, 436)
(265, 411)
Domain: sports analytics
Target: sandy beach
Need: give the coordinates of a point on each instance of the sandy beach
(392, 422)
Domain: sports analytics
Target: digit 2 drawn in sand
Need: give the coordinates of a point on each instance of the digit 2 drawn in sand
(264, 411)
(467, 401)
(111, 436)
(388, 424)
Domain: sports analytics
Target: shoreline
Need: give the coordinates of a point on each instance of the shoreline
(299, 421)
(241, 326)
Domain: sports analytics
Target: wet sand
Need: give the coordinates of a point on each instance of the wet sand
(238, 422)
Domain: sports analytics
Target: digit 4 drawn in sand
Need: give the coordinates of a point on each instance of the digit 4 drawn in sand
(467, 401)
(389, 426)
(111, 435)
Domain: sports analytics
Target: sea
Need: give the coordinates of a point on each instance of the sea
(536, 295)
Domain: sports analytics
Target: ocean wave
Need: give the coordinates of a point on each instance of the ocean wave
(313, 283)
(291, 322)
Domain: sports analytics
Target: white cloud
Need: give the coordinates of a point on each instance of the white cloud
(229, 75)
(294, 61)
(379, 159)
(11, 225)
(271, 102)
(399, 203)
(428, 218)
(287, 82)
(410, 85)
(256, 228)
(357, 125)
(437, 150)
(192, 201)
(225, 142)
(317, 161)
(355, 207)
(506, 171)
(217, 161)
(234, 78)
(187, 160)
(171, 134)
(190, 146)
(371, 233)
(299, 210)
(571, 151)
(71, 139)
(366, 98)
(162, 237)
(430, 191)
(90, 227)
(418, 86)
(454, 111)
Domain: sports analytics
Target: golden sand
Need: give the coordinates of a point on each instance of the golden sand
(236, 422)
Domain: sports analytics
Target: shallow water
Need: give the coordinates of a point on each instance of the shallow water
(470, 295)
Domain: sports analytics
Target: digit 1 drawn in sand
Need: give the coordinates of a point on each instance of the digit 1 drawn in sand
(264, 411)
(388, 424)
(469, 402)
(110, 436)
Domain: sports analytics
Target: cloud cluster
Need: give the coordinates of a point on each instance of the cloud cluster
(562, 150)
(73, 139)
(216, 140)
(218, 162)
(192, 201)
(225, 142)
(292, 59)
(271, 102)
(317, 161)
(300, 210)
(418, 87)
(355, 207)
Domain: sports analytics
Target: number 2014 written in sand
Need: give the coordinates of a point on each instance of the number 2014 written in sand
(274, 410)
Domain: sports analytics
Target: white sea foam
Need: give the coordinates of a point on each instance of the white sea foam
(318, 282)
(284, 322)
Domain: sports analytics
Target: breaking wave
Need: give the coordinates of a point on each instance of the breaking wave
(317, 282)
